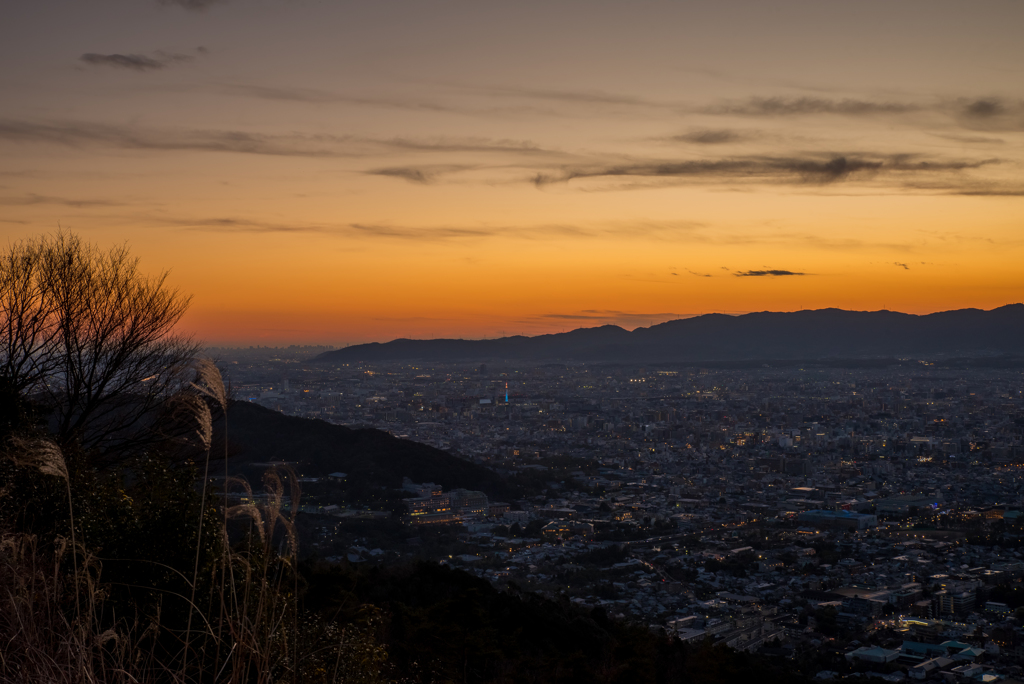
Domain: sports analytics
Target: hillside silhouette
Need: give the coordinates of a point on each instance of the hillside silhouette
(367, 456)
(447, 626)
(798, 335)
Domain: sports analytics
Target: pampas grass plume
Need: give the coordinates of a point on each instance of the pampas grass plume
(41, 454)
(197, 409)
(210, 383)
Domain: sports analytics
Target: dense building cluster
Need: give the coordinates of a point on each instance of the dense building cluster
(871, 515)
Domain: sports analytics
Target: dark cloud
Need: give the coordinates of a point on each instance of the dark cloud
(433, 233)
(768, 272)
(984, 108)
(711, 136)
(750, 169)
(195, 5)
(991, 114)
(418, 174)
(902, 265)
(410, 174)
(136, 62)
(782, 170)
(788, 106)
(701, 275)
(468, 145)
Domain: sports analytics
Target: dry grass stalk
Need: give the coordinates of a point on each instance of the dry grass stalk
(210, 383)
(260, 637)
(256, 638)
(40, 454)
(192, 407)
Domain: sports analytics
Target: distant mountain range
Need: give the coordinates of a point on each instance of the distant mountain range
(799, 335)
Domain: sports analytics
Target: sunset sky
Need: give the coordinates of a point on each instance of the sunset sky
(339, 172)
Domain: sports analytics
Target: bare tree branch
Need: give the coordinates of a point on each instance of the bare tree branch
(90, 336)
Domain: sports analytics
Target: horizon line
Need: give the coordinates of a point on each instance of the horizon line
(342, 345)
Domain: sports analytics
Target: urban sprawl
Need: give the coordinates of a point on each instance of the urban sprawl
(869, 517)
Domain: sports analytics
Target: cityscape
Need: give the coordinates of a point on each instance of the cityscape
(869, 514)
(561, 342)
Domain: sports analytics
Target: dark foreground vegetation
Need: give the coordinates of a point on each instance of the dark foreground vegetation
(121, 561)
(442, 625)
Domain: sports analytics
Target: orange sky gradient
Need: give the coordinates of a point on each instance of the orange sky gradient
(326, 174)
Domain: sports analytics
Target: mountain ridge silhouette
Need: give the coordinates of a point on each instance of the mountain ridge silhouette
(797, 335)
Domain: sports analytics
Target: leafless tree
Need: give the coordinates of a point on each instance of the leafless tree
(91, 339)
(27, 317)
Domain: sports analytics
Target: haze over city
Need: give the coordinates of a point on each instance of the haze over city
(348, 172)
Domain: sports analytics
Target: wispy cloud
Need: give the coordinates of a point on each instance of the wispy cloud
(771, 170)
(411, 174)
(675, 233)
(791, 106)
(768, 272)
(195, 5)
(991, 114)
(80, 134)
(989, 192)
(134, 62)
(426, 233)
(33, 199)
(985, 109)
(901, 265)
(317, 96)
(423, 175)
(626, 318)
(361, 230)
(582, 97)
(385, 231)
(987, 114)
(971, 139)
(434, 103)
(967, 188)
(468, 145)
(714, 136)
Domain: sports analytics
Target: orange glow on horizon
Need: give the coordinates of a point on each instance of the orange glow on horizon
(331, 175)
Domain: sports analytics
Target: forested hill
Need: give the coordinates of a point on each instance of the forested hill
(445, 625)
(803, 335)
(368, 456)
